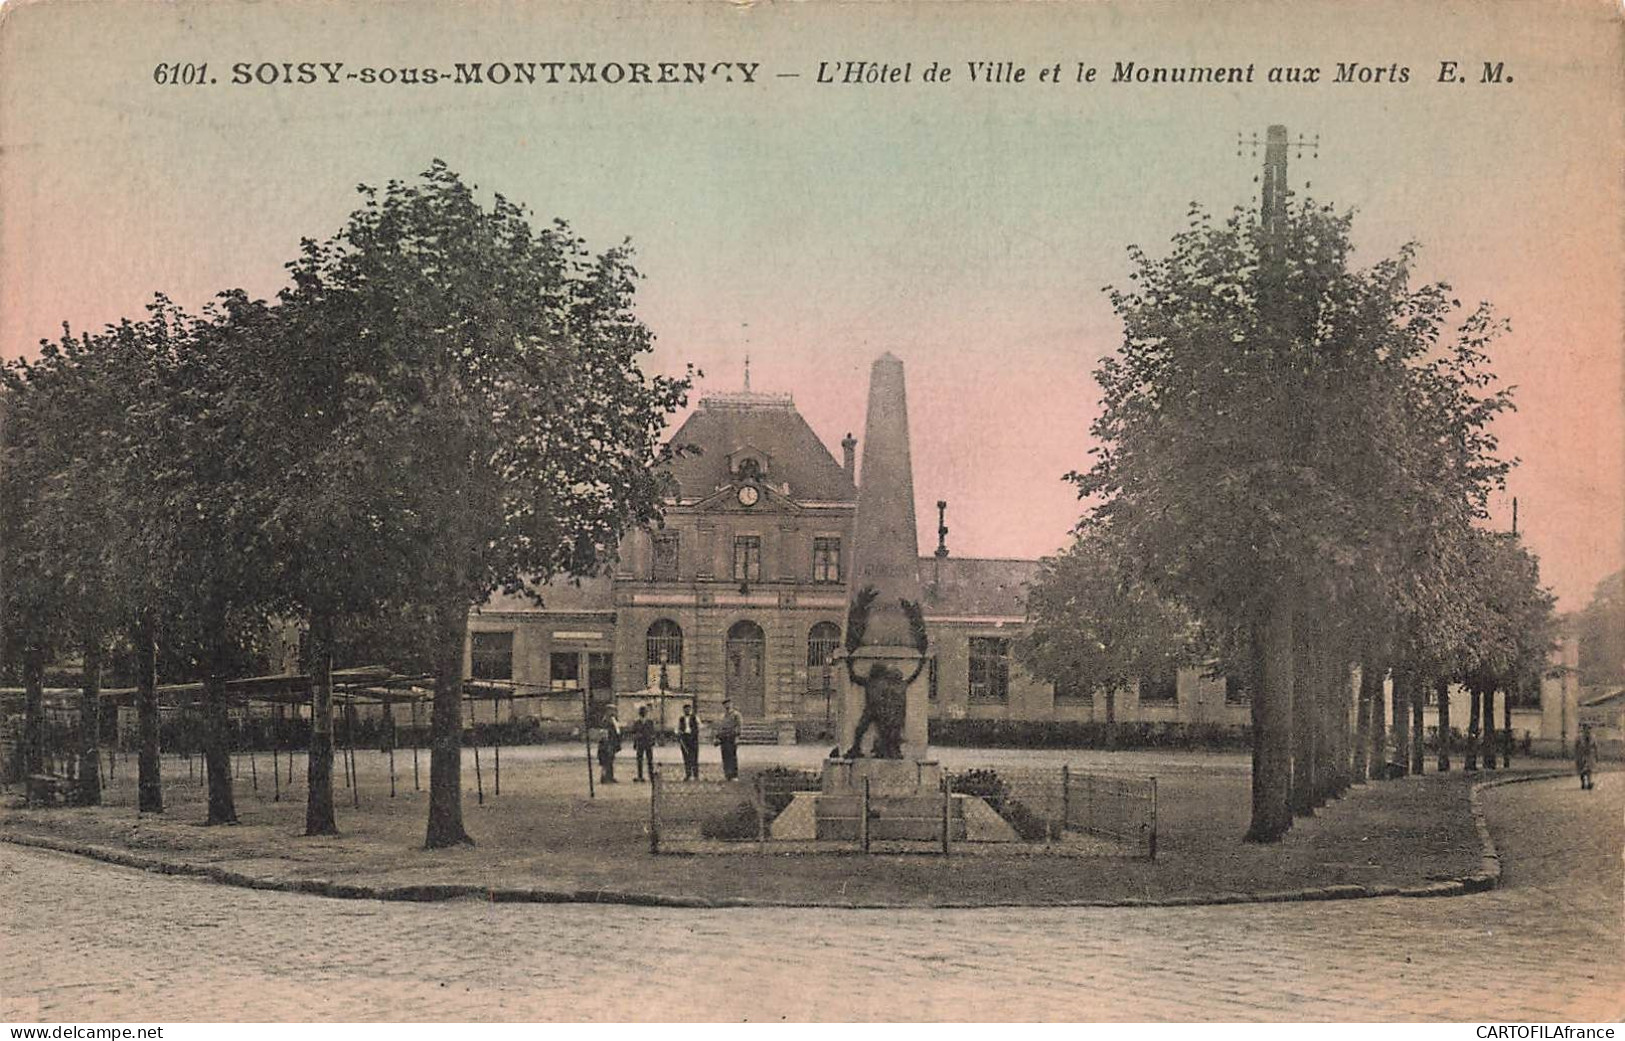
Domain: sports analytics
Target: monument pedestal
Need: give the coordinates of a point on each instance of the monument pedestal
(903, 798)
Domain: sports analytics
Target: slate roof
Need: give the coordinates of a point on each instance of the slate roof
(769, 423)
(972, 587)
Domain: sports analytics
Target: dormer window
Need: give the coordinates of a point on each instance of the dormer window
(748, 464)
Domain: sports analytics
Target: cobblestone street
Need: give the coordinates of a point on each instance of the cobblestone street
(83, 941)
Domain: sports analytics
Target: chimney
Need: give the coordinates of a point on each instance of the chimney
(849, 456)
(942, 545)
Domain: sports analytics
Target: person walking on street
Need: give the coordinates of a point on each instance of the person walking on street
(643, 741)
(1585, 756)
(609, 743)
(688, 738)
(728, 738)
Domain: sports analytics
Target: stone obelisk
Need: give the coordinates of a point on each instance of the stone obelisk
(885, 568)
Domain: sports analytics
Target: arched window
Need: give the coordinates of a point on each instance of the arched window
(665, 647)
(823, 640)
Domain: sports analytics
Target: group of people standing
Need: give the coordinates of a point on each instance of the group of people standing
(645, 736)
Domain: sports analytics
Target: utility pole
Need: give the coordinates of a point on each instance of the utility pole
(1287, 722)
(1274, 190)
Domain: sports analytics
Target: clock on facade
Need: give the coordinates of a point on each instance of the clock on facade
(748, 494)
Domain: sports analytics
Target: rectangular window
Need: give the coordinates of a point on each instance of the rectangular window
(601, 671)
(664, 567)
(747, 558)
(827, 561)
(492, 656)
(1235, 693)
(564, 670)
(989, 668)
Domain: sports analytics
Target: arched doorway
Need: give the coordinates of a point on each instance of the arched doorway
(745, 682)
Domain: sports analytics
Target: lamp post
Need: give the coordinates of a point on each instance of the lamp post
(664, 657)
(828, 692)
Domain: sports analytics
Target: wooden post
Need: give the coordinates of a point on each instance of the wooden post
(496, 745)
(394, 735)
(350, 720)
(1066, 795)
(761, 816)
(344, 753)
(1153, 845)
(654, 809)
(254, 768)
(947, 814)
(479, 781)
(863, 817)
(276, 773)
(586, 736)
(417, 785)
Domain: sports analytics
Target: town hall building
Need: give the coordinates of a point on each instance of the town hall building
(741, 594)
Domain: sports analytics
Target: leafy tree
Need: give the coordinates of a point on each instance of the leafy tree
(1601, 630)
(31, 602)
(1254, 448)
(1092, 626)
(1513, 634)
(208, 527)
(491, 386)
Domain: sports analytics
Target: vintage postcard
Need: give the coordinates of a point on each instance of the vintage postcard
(763, 511)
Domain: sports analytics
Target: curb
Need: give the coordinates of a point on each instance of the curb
(1490, 862)
(1487, 877)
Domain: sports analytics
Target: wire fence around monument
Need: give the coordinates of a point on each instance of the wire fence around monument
(982, 810)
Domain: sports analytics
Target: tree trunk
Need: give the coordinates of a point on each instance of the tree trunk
(320, 818)
(1336, 763)
(446, 731)
(1474, 707)
(1379, 724)
(1402, 719)
(217, 736)
(1305, 716)
(33, 711)
(1441, 690)
(1272, 729)
(1111, 717)
(1418, 687)
(150, 798)
(1506, 729)
(1342, 690)
(1360, 761)
(88, 792)
(1325, 724)
(1489, 728)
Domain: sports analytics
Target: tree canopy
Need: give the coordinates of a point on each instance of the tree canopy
(1295, 450)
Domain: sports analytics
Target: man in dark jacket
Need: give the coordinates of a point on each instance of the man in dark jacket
(728, 737)
(688, 738)
(643, 741)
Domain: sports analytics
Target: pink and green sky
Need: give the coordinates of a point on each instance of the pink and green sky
(967, 227)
